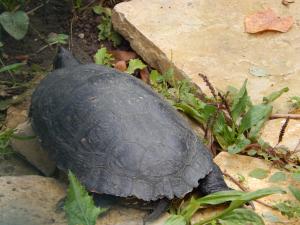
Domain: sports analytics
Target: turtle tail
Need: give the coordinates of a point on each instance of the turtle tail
(64, 58)
(213, 182)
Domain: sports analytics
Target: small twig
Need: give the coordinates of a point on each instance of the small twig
(265, 204)
(291, 116)
(71, 34)
(36, 8)
(44, 47)
(88, 5)
(239, 185)
(38, 33)
(235, 181)
(246, 190)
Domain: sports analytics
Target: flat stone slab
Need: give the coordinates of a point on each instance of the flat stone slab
(291, 138)
(208, 37)
(32, 150)
(14, 165)
(30, 200)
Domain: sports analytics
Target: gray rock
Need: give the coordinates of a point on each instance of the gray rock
(208, 37)
(30, 200)
(32, 150)
(13, 165)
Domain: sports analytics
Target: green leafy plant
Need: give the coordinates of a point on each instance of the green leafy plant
(54, 38)
(102, 57)
(289, 208)
(5, 137)
(79, 206)
(233, 214)
(233, 119)
(277, 177)
(135, 64)
(14, 21)
(12, 67)
(295, 100)
(106, 31)
(258, 173)
(77, 4)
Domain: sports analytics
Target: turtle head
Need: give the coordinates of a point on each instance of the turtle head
(64, 58)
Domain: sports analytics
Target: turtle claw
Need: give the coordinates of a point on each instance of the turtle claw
(161, 207)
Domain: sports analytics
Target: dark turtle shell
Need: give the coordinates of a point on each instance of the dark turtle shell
(116, 134)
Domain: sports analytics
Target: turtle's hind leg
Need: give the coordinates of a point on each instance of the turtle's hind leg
(161, 207)
(213, 182)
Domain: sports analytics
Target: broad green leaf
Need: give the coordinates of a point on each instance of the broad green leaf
(249, 196)
(254, 116)
(102, 57)
(176, 220)
(241, 217)
(169, 74)
(220, 197)
(296, 176)
(11, 67)
(274, 95)
(15, 23)
(135, 64)
(55, 38)
(240, 143)
(255, 130)
(241, 200)
(277, 177)
(1, 44)
(105, 28)
(240, 102)
(295, 191)
(190, 111)
(295, 101)
(212, 199)
(155, 77)
(79, 206)
(115, 38)
(102, 10)
(224, 134)
(259, 173)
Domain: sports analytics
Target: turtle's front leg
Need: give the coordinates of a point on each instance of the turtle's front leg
(161, 207)
(213, 182)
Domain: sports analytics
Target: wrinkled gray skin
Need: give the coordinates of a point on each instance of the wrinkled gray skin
(117, 135)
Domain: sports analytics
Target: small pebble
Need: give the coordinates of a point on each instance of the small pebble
(81, 35)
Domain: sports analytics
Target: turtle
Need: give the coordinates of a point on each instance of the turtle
(118, 136)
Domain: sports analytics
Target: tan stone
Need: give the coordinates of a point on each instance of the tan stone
(32, 150)
(34, 200)
(30, 200)
(291, 137)
(208, 37)
(16, 115)
(236, 165)
(13, 165)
